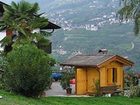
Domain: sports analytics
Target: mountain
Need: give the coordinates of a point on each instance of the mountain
(90, 14)
(89, 25)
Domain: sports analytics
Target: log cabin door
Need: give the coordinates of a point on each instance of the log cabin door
(81, 81)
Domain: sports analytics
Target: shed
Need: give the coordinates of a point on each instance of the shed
(105, 68)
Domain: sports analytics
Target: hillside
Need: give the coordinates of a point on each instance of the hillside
(89, 25)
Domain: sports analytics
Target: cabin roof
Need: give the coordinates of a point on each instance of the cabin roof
(95, 60)
(50, 25)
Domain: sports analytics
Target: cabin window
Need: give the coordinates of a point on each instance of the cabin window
(114, 75)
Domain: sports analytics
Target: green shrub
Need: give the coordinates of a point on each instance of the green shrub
(28, 70)
(2, 65)
(131, 84)
(134, 91)
(97, 87)
(138, 91)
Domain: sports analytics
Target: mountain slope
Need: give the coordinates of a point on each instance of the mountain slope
(89, 25)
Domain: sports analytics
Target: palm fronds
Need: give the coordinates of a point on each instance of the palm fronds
(23, 18)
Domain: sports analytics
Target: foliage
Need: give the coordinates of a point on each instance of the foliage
(28, 70)
(12, 99)
(21, 19)
(65, 80)
(138, 91)
(2, 68)
(131, 79)
(2, 61)
(134, 91)
(2, 85)
(131, 10)
(132, 87)
(97, 87)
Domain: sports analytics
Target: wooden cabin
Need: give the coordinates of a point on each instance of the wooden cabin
(105, 68)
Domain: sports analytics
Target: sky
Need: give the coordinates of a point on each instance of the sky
(32, 1)
(9, 1)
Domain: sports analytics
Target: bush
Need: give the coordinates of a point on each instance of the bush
(2, 65)
(134, 91)
(138, 91)
(131, 84)
(28, 70)
(97, 87)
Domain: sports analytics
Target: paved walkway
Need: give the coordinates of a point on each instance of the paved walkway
(55, 90)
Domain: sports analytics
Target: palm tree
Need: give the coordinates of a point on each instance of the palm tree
(20, 20)
(131, 10)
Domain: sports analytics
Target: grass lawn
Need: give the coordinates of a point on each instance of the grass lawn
(12, 99)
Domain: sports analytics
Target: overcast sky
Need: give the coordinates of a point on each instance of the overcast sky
(32, 1)
(9, 1)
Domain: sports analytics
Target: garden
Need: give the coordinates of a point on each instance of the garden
(24, 63)
(26, 66)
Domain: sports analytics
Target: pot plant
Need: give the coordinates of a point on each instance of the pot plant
(65, 81)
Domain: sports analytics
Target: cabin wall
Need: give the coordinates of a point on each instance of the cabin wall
(81, 81)
(103, 76)
(120, 77)
(85, 80)
(92, 79)
(106, 74)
